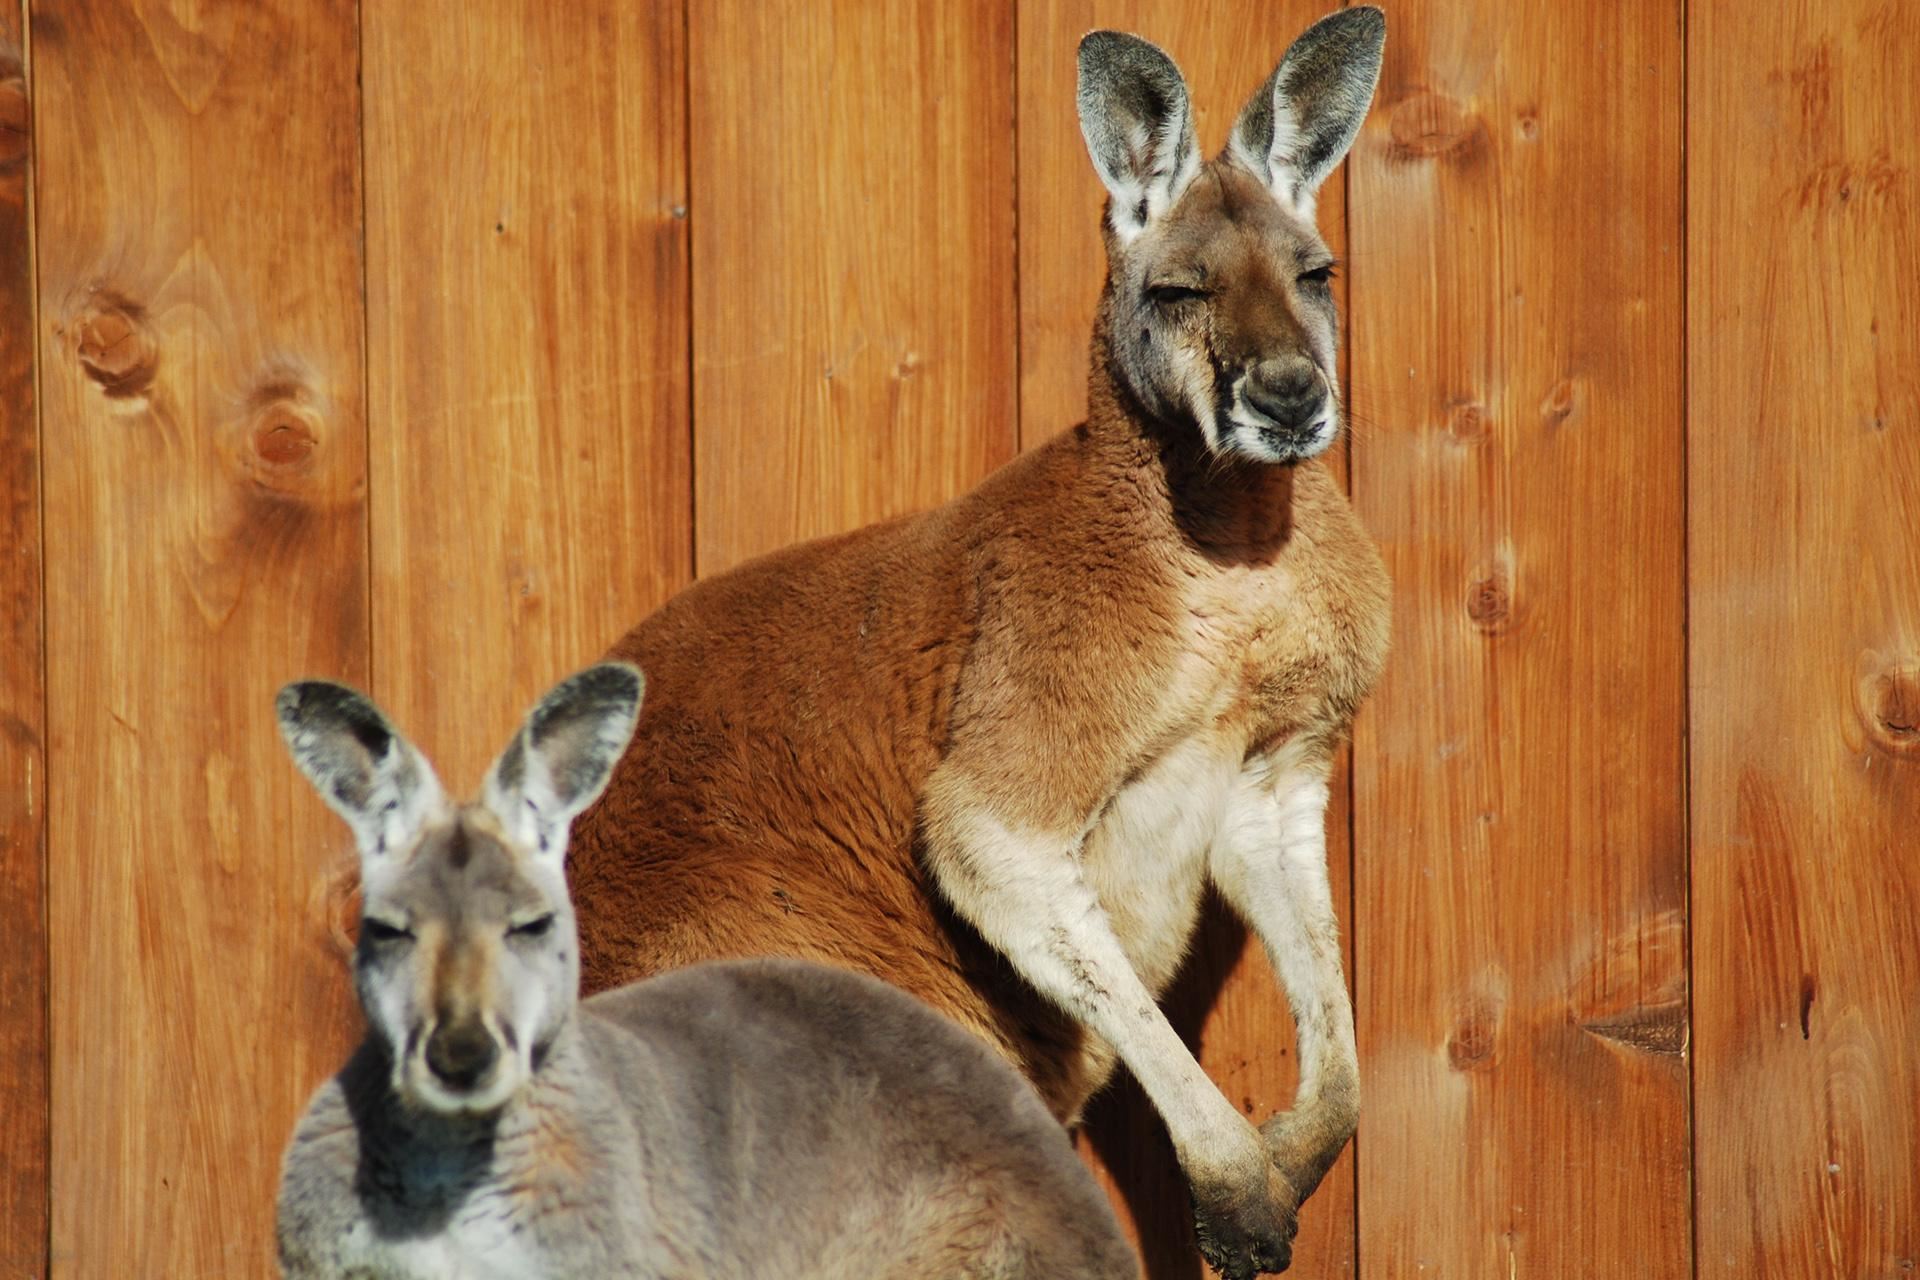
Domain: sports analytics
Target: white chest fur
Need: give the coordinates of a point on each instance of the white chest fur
(1146, 857)
(1255, 672)
(483, 1242)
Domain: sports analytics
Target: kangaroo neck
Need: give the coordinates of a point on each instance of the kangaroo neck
(1229, 510)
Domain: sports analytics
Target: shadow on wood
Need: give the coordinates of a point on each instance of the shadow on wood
(1123, 1129)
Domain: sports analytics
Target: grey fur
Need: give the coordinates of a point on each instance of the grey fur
(559, 761)
(1324, 84)
(1138, 123)
(756, 1118)
(365, 771)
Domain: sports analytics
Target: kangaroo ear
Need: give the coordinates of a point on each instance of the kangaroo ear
(561, 759)
(1300, 124)
(1138, 125)
(365, 771)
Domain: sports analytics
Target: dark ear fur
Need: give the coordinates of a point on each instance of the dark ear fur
(1138, 123)
(561, 759)
(1298, 127)
(361, 766)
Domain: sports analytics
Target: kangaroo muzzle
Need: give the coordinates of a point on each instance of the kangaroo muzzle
(462, 1055)
(1287, 390)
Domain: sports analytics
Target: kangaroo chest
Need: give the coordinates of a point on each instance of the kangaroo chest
(523, 1211)
(483, 1240)
(1270, 658)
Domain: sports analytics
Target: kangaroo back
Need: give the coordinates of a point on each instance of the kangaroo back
(845, 1129)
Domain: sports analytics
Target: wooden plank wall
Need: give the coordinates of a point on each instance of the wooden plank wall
(1519, 789)
(430, 346)
(204, 480)
(526, 350)
(853, 302)
(1804, 519)
(23, 773)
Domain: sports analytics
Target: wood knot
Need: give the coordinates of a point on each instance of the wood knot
(1887, 700)
(116, 345)
(1632, 990)
(1560, 403)
(1527, 125)
(1467, 422)
(334, 902)
(283, 434)
(15, 135)
(1489, 601)
(1428, 124)
(1471, 1045)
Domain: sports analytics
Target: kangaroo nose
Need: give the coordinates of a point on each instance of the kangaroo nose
(1286, 389)
(460, 1055)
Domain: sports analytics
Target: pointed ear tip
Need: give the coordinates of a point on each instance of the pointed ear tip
(620, 678)
(298, 696)
(1362, 22)
(633, 680)
(1105, 50)
(1367, 20)
(1097, 52)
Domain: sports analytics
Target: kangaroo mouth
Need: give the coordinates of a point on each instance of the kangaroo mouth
(1246, 432)
(429, 1093)
(1261, 426)
(458, 1073)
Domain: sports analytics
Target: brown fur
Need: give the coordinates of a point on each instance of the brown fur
(798, 704)
(1050, 710)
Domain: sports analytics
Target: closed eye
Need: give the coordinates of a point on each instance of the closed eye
(531, 929)
(1172, 295)
(1320, 275)
(382, 932)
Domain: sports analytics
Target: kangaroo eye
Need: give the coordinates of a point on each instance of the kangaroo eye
(1318, 276)
(534, 928)
(381, 933)
(1172, 295)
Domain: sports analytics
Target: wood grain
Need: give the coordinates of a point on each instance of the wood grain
(23, 773)
(1226, 1002)
(853, 244)
(800, 304)
(527, 351)
(1804, 481)
(205, 541)
(1514, 208)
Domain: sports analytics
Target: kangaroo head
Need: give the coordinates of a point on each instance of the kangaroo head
(1217, 311)
(468, 963)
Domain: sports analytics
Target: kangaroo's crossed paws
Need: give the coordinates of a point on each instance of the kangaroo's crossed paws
(1247, 1231)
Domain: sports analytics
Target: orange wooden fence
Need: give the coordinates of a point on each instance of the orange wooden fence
(430, 345)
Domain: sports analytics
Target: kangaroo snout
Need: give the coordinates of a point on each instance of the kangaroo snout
(462, 1054)
(1287, 390)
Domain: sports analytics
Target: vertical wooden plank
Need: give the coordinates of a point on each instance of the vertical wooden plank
(1803, 254)
(527, 257)
(1520, 876)
(853, 292)
(198, 197)
(1226, 1002)
(23, 774)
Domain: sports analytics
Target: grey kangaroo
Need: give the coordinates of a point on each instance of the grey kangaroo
(758, 1118)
